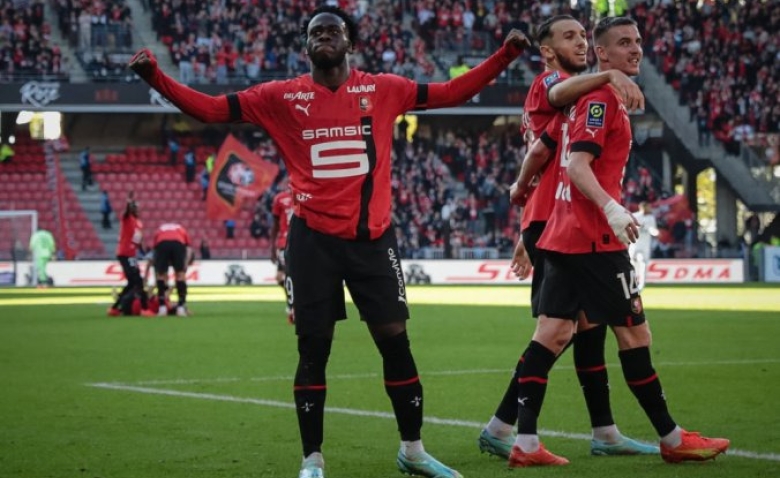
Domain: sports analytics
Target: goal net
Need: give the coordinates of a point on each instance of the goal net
(16, 227)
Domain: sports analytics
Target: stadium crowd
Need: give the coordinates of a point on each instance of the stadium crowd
(724, 59)
(26, 47)
(250, 41)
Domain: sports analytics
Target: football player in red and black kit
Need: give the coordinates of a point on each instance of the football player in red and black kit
(563, 45)
(334, 127)
(586, 265)
(172, 248)
(130, 236)
(282, 211)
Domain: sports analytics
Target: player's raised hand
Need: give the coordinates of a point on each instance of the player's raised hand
(629, 91)
(143, 63)
(517, 39)
(521, 264)
(623, 223)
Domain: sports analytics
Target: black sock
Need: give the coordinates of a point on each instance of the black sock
(122, 293)
(592, 373)
(507, 409)
(181, 291)
(310, 390)
(644, 383)
(161, 288)
(402, 385)
(532, 385)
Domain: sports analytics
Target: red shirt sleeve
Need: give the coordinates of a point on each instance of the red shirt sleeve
(593, 114)
(552, 134)
(276, 207)
(253, 103)
(403, 92)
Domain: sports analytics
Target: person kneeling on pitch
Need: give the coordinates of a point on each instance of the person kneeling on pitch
(172, 248)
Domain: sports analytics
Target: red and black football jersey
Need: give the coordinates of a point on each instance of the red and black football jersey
(537, 115)
(598, 125)
(336, 145)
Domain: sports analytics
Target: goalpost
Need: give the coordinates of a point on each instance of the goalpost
(16, 228)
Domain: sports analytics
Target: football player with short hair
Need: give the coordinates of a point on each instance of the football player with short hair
(334, 128)
(563, 45)
(172, 248)
(586, 264)
(130, 237)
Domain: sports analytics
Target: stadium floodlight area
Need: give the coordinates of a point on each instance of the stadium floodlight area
(16, 228)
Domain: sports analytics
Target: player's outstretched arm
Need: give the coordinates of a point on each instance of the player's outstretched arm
(202, 107)
(569, 90)
(459, 90)
(534, 160)
(622, 222)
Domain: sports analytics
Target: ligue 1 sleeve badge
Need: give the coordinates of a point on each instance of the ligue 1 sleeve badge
(365, 104)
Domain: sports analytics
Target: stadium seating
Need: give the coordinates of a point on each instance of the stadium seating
(164, 196)
(722, 58)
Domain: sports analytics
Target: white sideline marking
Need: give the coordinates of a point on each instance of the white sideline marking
(369, 413)
(352, 376)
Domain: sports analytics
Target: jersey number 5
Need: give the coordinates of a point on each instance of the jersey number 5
(358, 161)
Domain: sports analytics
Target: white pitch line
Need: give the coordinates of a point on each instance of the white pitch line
(369, 413)
(352, 376)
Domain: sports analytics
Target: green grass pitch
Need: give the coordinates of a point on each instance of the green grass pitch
(210, 396)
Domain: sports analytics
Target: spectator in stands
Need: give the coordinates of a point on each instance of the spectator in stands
(189, 166)
(105, 209)
(205, 252)
(42, 248)
(204, 182)
(259, 227)
(230, 228)
(6, 153)
(210, 163)
(85, 163)
(459, 67)
(173, 150)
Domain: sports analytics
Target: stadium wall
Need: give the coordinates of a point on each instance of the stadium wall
(435, 272)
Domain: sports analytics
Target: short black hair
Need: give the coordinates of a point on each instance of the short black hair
(352, 29)
(543, 31)
(607, 23)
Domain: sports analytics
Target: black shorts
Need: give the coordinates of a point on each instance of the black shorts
(280, 260)
(170, 253)
(318, 266)
(602, 284)
(531, 235)
(131, 270)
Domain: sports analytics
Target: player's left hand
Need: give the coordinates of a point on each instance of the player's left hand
(517, 39)
(274, 255)
(521, 264)
(519, 193)
(623, 223)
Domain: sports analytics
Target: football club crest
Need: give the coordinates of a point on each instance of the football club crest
(596, 112)
(636, 305)
(365, 104)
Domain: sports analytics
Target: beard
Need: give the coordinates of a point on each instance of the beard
(571, 66)
(323, 61)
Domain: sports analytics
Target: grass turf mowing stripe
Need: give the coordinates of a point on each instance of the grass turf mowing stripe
(369, 413)
(356, 376)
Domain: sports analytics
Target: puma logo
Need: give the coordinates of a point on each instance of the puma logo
(305, 110)
(592, 132)
(521, 401)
